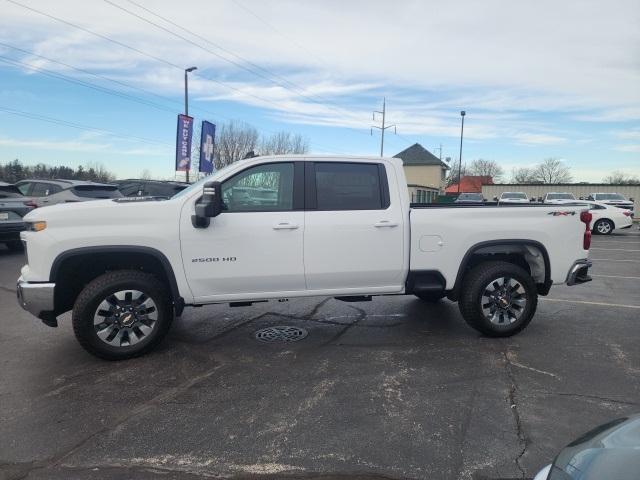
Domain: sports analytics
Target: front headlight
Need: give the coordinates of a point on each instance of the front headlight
(36, 226)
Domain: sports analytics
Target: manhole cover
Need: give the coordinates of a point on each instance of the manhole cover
(281, 333)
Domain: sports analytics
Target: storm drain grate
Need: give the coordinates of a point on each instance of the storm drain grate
(281, 333)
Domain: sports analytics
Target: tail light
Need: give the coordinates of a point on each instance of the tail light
(627, 213)
(585, 217)
(31, 203)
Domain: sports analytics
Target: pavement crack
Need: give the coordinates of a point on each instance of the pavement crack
(587, 397)
(513, 405)
(361, 316)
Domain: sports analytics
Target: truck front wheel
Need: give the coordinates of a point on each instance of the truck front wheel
(122, 314)
(498, 299)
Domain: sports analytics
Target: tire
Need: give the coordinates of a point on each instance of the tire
(603, 227)
(430, 297)
(489, 314)
(135, 311)
(14, 246)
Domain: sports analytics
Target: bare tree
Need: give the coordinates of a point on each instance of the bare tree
(552, 171)
(235, 140)
(621, 178)
(453, 172)
(523, 175)
(145, 174)
(486, 168)
(283, 143)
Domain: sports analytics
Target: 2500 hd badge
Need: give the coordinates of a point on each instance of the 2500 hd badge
(213, 259)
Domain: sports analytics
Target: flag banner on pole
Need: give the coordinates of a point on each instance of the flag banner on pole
(183, 143)
(207, 142)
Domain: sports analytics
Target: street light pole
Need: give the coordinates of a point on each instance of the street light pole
(186, 102)
(462, 114)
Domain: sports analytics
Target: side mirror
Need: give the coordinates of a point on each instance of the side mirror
(631, 199)
(209, 206)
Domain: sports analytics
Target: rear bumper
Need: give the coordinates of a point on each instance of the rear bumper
(38, 299)
(579, 272)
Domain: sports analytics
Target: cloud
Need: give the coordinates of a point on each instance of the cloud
(633, 148)
(538, 139)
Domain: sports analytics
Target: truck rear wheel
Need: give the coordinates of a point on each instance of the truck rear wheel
(122, 314)
(498, 299)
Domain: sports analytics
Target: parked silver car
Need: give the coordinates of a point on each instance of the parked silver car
(50, 192)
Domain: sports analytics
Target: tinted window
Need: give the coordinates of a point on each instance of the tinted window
(129, 189)
(41, 189)
(560, 196)
(24, 187)
(9, 191)
(514, 195)
(348, 186)
(162, 189)
(609, 196)
(261, 188)
(97, 191)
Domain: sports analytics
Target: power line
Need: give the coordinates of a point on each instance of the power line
(298, 92)
(292, 40)
(204, 39)
(97, 87)
(140, 52)
(82, 83)
(145, 54)
(79, 126)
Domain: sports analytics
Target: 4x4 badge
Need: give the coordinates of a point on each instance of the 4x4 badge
(561, 214)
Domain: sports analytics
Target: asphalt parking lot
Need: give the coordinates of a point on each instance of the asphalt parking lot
(392, 388)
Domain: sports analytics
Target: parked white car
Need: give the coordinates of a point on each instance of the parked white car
(606, 218)
(614, 199)
(513, 197)
(291, 226)
(558, 198)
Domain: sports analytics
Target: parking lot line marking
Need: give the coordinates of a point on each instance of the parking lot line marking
(613, 260)
(615, 249)
(602, 304)
(616, 276)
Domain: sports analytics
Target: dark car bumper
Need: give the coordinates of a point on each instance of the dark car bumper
(579, 272)
(10, 231)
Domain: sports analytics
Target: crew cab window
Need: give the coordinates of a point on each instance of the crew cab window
(266, 188)
(348, 186)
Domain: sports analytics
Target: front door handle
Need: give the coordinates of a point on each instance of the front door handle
(385, 223)
(285, 226)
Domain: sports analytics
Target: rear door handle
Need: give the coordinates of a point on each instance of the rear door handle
(285, 226)
(385, 223)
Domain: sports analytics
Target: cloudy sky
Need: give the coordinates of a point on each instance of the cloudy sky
(102, 80)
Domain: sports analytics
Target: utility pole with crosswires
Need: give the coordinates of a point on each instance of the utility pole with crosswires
(383, 127)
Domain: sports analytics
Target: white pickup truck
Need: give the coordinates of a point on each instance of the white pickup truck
(282, 227)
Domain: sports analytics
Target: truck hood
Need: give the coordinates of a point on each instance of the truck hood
(94, 212)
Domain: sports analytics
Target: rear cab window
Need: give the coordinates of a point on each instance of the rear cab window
(347, 186)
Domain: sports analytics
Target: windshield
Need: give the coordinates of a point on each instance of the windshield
(609, 196)
(198, 185)
(518, 195)
(560, 196)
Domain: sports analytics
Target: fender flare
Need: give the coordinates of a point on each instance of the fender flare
(157, 254)
(543, 290)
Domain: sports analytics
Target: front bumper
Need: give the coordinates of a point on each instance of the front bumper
(38, 299)
(579, 272)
